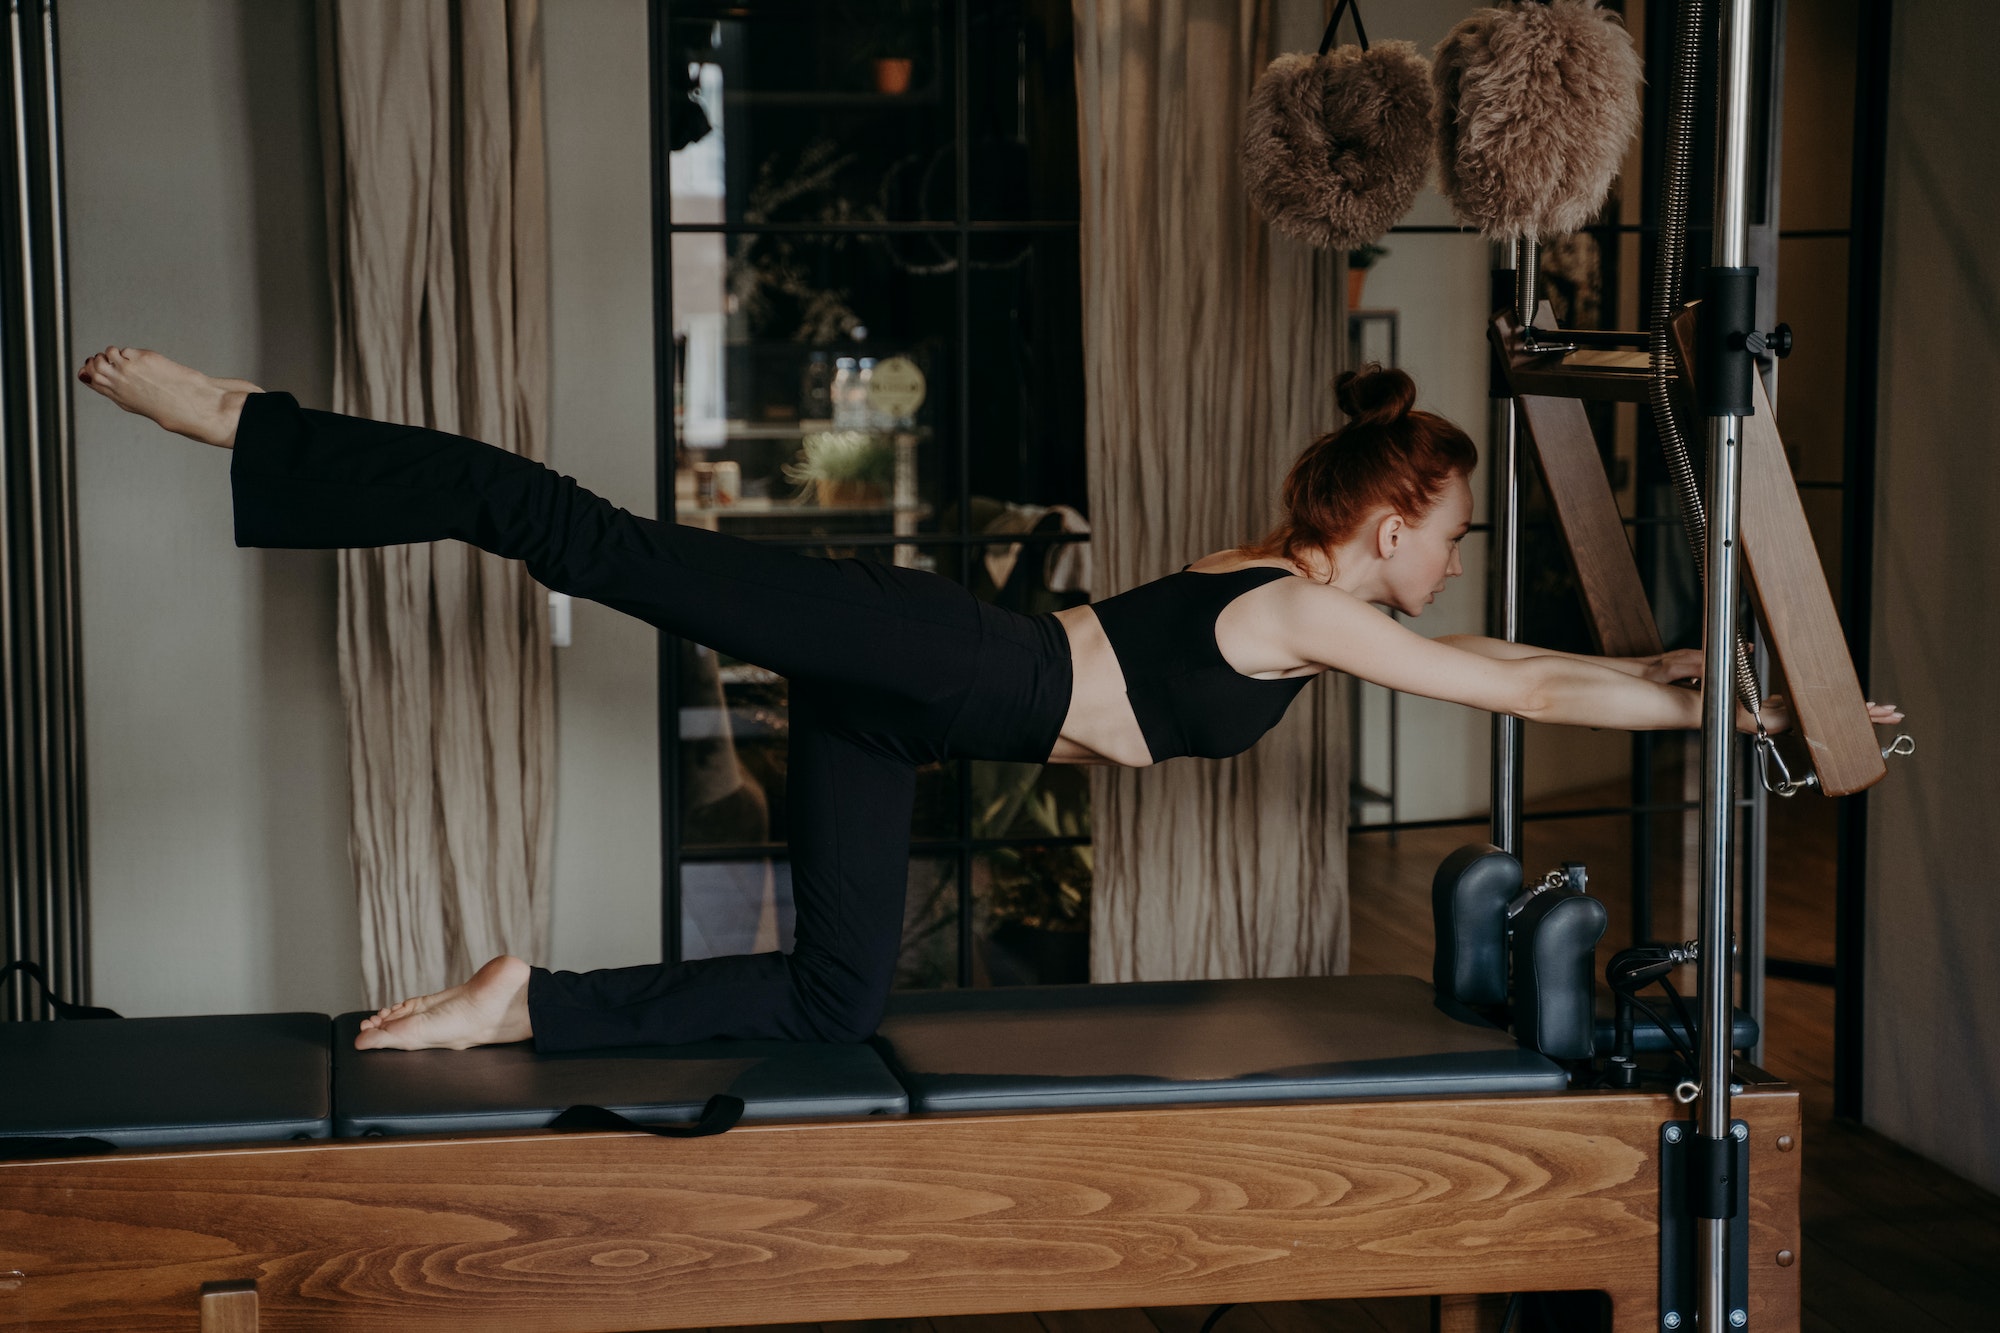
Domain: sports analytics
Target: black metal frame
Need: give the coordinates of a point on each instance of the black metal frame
(44, 844)
(960, 544)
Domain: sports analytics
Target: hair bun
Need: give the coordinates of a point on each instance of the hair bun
(1374, 396)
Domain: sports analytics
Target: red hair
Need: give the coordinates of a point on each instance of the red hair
(1386, 457)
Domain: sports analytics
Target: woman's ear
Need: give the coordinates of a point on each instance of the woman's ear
(1389, 530)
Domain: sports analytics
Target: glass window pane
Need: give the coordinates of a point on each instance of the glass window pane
(733, 907)
(813, 384)
(811, 111)
(1030, 800)
(1025, 370)
(737, 907)
(1031, 916)
(930, 927)
(1021, 108)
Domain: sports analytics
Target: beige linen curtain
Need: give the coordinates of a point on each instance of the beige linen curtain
(1210, 348)
(432, 116)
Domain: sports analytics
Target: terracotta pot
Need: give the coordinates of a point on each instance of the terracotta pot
(1356, 279)
(892, 74)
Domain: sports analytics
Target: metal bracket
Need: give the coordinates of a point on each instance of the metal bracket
(1679, 1290)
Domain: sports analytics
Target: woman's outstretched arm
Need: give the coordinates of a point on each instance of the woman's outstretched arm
(1665, 668)
(1344, 633)
(1347, 634)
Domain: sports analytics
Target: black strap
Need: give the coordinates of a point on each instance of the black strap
(30, 1148)
(31, 969)
(721, 1113)
(1333, 26)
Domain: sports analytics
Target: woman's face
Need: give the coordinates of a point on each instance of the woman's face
(1426, 552)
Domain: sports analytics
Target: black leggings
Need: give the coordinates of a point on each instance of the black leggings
(890, 669)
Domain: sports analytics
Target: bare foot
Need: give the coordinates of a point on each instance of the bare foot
(490, 1008)
(169, 394)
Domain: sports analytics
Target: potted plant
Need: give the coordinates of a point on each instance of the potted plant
(1038, 896)
(844, 467)
(1358, 263)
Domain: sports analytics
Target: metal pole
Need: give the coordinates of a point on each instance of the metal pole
(73, 966)
(1718, 732)
(1506, 573)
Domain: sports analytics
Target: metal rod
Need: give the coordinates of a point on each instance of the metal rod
(667, 667)
(1506, 572)
(961, 104)
(72, 966)
(36, 939)
(1718, 731)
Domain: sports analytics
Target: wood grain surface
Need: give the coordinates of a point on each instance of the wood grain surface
(883, 1219)
(1621, 618)
(1800, 619)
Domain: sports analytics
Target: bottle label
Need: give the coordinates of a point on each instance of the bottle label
(896, 389)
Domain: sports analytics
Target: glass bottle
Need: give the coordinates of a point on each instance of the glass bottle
(816, 389)
(842, 393)
(865, 415)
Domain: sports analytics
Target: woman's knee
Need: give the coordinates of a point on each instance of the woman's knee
(839, 1003)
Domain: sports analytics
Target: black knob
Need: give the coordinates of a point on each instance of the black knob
(1778, 342)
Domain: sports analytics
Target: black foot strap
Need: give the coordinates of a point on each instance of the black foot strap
(721, 1113)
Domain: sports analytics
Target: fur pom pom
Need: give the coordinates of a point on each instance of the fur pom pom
(1335, 147)
(1536, 105)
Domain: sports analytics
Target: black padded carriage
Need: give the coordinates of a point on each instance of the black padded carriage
(166, 1082)
(512, 1087)
(1148, 1043)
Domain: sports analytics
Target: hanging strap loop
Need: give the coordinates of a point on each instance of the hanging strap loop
(32, 970)
(1333, 26)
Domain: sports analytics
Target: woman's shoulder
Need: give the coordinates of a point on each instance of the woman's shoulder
(1228, 562)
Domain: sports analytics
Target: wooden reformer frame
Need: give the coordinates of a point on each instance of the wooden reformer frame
(888, 1217)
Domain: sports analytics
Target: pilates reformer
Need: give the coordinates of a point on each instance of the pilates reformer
(1058, 1147)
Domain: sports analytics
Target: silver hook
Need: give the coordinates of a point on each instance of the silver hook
(1901, 745)
(1768, 757)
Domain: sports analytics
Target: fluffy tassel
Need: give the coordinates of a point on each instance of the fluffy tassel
(1536, 106)
(1335, 147)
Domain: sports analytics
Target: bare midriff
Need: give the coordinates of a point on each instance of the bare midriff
(1100, 727)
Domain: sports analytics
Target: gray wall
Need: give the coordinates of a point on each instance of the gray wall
(607, 869)
(215, 738)
(1932, 1054)
(217, 774)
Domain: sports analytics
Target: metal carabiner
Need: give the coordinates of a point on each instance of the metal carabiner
(1768, 757)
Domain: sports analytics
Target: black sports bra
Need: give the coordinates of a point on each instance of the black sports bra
(1188, 699)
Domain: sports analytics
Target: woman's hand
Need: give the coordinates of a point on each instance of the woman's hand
(1776, 715)
(1672, 667)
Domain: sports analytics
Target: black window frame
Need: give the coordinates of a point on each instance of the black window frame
(958, 546)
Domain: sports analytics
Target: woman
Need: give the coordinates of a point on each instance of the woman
(893, 668)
